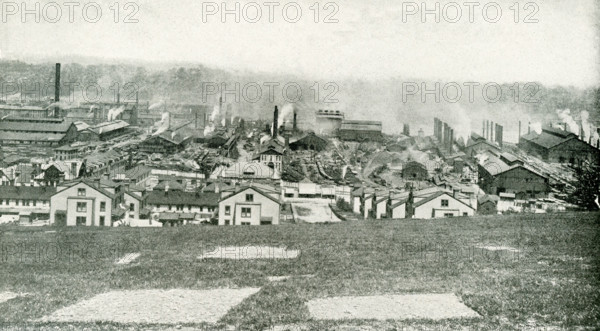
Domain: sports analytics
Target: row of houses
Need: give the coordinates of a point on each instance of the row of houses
(104, 202)
(433, 202)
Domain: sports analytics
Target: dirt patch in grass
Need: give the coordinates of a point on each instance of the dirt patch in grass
(303, 211)
(154, 306)
(5, 296)
(250, 253)
(385, 307)
(500, 248)
(128, 258)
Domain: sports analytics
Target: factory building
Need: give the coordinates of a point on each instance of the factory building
(328, 121)
(37, 131)
(104, 131)
(556, 145)
(309, 141)
(172, 140)
(361, 130)
(478, 144)
(507, 174)
(414, 170)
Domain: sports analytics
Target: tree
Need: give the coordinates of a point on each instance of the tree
(587, 185)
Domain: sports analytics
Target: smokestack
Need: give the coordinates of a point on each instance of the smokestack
(487, 129)
(528, 127)
(275, 126)
(483, 128)
(451, 140)
(519, 130)
(499, 134)
(287, 141)
(492, 131)
(295, 125)
(57, 88)
(118, 98)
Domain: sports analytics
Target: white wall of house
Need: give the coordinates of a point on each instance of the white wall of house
(356, 204)
(437, 209)
(368, 205)
(237, 210)
(381, 208)
(95, 212)
(399, 211)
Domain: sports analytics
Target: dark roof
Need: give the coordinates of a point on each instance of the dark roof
(547, 138)
(361, 125)
(108, 126)
(183, 198)
(27, 192)
(410, 164)
(172, 184)
(488, 197)
(35, 127)
(271, 146)
(28, 136)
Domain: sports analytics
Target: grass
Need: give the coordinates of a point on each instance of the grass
(552, 282)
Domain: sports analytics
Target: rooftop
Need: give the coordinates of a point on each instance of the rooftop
(183, 198)
(361, 125)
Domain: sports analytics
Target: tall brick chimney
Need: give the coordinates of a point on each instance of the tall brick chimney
(275, 126)
(295, 125)
(57, 89)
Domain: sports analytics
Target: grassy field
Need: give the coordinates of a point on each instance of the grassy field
(553, 281)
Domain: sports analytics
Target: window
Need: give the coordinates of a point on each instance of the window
(246, 212)
(131, 207)
(34, 202)
(80, 220)
(465, 214)
(227, 210)
(81, 192)
(102, 206)
(81, 206)
(101, 220)
(25, 202)
(448, 215)
(249, 197)
(266, 222)
(444, 203)
(180, 207)
(245, 223)
(226, 222)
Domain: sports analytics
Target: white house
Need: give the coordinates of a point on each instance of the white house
(85, 203)
(249, 205)
(441, 204)
(178, 207)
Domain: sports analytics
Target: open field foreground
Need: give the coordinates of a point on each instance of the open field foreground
(515, 272)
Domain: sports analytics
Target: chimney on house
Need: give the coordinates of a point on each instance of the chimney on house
(57, 89)
(275, 126)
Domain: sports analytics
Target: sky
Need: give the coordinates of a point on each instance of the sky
(370, 40)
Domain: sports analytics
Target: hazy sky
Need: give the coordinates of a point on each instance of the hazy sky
(369, 41)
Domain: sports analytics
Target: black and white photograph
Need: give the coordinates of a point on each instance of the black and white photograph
(299, 165)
